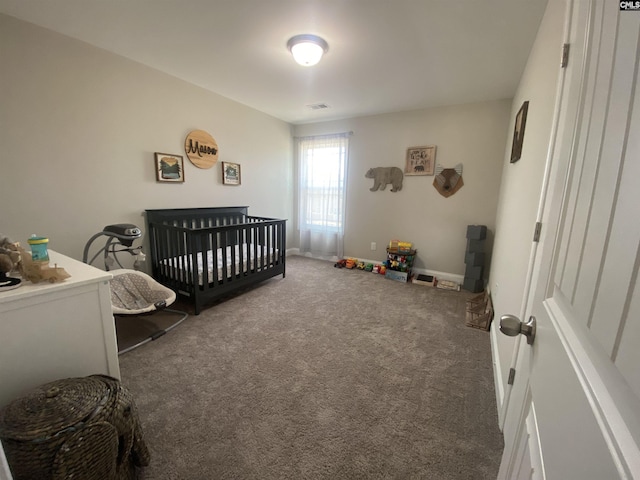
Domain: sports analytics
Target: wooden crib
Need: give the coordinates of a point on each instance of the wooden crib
(207, 253)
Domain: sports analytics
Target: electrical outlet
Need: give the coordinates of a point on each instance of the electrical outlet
(374, 246)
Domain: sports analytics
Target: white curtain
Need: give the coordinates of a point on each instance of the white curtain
(322, 167)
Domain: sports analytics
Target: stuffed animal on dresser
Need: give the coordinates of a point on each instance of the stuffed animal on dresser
(10, 249)
(385, 175)
(9, 261)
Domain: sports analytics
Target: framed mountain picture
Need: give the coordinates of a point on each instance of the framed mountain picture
(169, 168)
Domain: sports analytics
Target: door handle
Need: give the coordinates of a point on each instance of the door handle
(512, 326)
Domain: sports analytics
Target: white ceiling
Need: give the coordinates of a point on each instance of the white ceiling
(384, 55)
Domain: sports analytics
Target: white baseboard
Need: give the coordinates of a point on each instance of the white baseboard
(497, 370)
(454, 277)
(296, 251)
(440, 275)
(425, 271)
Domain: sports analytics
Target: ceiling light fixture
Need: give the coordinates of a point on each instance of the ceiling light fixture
(306, 49)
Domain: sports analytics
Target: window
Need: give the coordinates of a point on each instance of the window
(322, 162)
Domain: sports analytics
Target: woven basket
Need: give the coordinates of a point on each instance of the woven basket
(85, 428)
(479, 311)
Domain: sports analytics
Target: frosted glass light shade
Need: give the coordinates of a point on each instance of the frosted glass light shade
(307, 50)
(307, 54)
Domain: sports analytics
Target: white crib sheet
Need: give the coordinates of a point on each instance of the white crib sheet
(182, 265)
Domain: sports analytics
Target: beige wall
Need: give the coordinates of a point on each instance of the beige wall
(522, 182)
(79, 127)
(473, 134)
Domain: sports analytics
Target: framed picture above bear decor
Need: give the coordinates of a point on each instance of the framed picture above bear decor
(230, 173)
(169, 168)
(518, 132)
(420, 160)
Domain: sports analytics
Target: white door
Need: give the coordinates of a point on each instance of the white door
(574, 411)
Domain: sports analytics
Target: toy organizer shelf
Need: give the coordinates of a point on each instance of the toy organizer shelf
(399, 264)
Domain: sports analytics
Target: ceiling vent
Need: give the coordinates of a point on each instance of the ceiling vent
(318, 106)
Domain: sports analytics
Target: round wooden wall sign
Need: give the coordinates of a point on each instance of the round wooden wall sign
(201, 149)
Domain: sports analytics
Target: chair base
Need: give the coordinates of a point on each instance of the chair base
(156, 334)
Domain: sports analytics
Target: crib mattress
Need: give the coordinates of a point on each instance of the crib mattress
(181, 267)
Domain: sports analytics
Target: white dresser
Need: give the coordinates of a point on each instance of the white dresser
(50, 331)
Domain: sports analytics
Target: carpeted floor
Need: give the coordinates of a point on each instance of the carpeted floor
(325, 374)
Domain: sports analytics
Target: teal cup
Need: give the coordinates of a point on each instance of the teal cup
(39, 252)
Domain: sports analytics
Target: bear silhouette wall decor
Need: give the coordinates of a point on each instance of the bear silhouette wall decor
(385, 175)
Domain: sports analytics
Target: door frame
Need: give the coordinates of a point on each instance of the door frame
(546, 178)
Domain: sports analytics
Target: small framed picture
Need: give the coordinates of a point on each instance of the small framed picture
(518, 132)
(169, 168)
(230, 173)
(420, 160)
